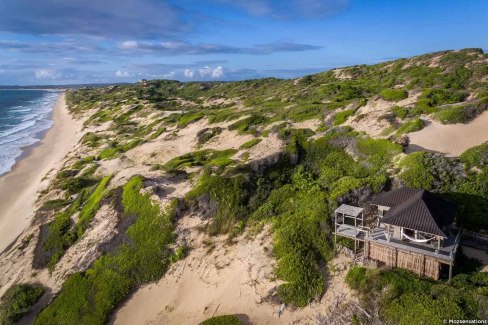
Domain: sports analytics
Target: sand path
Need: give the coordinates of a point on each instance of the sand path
(451, 139)
(19, 188)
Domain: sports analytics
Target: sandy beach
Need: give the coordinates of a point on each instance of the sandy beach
(20, 187)
(450, 139)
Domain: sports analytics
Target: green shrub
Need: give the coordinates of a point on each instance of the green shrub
(207, 157)
(378, 152)
(393, 94)
(222, 320)
(231, 195)
(17, 301)
(451, 115)
(410, 126)
(206, 134)
(180, 253)
(400, 112)
(249, 144)
(76, 184)
(404, 298)
(476, 156)
(108, 153)
(248, 124)
(186, 119)
(341, 117)
(436, 97)
(90, 297)
(415, 172)
(55, 204)
(91, 206)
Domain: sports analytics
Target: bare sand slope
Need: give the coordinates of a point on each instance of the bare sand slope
(220, 278)
(451, 139)
(19, 188)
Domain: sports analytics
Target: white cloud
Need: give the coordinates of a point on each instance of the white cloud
(129, 45)
(218, 72)
(46, 74)
(122, 74)
(169, 75)
(189, 73)
(204, 72)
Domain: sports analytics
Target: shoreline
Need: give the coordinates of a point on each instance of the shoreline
(26, 150)
(20, 187)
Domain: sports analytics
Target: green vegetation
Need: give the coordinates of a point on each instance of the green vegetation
(222, 320)
(186, 119)
(231, 194)
(249, 144)
(449, 177)
(476, 156)
(114, 150)
(400, 297)
(461, 113)
(400, 112)
(393, 95)
(436, 97)
(90, 297)
(208, 157)
(248, 124)
(410, 126)
(17, 301)
(205, 135)
(297, 195)
(55, 204)
(341, 117)
(61, 233)
(91, 206)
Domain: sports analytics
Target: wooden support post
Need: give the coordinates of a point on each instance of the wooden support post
(335, 231)
(422, 265)
(450, 273)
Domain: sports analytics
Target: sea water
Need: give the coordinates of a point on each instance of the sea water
(24, 116)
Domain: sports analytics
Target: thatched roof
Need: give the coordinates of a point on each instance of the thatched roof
(417, 209)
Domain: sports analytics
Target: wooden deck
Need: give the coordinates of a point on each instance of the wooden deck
(445, 254)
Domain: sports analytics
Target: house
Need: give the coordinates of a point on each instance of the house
(406, 228)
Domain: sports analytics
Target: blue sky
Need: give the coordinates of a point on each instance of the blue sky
(88, 41)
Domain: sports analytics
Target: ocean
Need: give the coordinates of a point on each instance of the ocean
(24, 116)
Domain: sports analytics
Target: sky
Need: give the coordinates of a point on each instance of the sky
(93, 41)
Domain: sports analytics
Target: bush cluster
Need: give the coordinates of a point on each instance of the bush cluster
(90, 297)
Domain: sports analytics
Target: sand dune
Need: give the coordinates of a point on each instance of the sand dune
(19, 188)
(451, 139)
(217, 278)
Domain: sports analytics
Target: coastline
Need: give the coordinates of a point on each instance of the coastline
(19, 188)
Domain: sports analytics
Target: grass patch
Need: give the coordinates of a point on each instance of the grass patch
(90, 297)
(186, 119)
(476, 156)
(205, 135)
(231, 195)
(222, 320)
(341, 117)
(17, 301)
(248, 124)
(393, 95)
(91, 206)
(208, 157)
(410, 126)
(249, 144)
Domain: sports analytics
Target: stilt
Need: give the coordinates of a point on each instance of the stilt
(450, 273)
